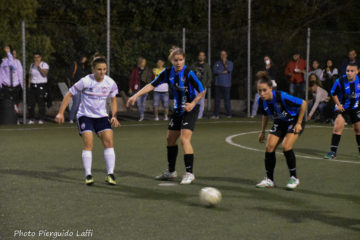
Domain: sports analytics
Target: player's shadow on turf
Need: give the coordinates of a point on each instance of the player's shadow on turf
(351, 198)
(319, 153)
(229, 179)
(297, 216)
(46, 175)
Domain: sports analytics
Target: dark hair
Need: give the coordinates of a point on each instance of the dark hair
(317, 81)
(97, 59)
(353, 65)
(37, 53)
(263, 77)
(174, 50)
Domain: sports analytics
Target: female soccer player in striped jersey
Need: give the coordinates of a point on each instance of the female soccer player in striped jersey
(346, 95)
(187, 91)
(288, 115)
(92, 116)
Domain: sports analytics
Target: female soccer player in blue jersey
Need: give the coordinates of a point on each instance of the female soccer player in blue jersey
(288, 115)
(92, 116)
(346, 94)
(187, 91)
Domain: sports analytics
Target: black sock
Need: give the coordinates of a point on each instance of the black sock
(270, 161)
(172, 152)
(189, 162)
(291, 162)
(358, 141)
(335, 142)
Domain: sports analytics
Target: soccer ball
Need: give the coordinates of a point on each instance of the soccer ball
(210, 196)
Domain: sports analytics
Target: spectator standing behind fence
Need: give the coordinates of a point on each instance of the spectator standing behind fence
(352, 58)
(203, 73)
(317, 70)
(37, 84)
(77, 71)
(269, 68)
(320, 97)
(161, 92)
(222, 71)
(330, 74)
(140, 76)
(11, 77)
(295, 71)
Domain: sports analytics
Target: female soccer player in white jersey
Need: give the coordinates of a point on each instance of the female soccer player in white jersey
(187, 91)
(92, 116)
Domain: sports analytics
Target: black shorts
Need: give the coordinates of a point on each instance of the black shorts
(185, 121)
(351, 116)
(87, 124)
(280, 129)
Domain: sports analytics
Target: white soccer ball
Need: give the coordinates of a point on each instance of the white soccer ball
(210, 196)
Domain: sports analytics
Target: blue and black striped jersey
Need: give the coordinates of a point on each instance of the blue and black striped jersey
(347, 92)
(282, 107)
(184, 86)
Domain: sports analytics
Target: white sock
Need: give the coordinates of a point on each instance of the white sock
(109, 156)
(87, 161)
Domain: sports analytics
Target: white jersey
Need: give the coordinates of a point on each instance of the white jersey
(35, 74)
(94, 95)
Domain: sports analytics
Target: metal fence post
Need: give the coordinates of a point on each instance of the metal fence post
(24, 69)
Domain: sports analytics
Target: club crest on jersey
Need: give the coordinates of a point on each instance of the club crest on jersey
(104, 90)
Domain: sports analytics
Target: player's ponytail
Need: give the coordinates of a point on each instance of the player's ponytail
(97, 58)
(263, 77)
(174, 50)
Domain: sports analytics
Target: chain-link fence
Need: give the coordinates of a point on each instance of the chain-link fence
(62, 42)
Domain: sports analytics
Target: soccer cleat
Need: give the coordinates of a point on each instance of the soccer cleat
(293, 183)
(330, 155)
(166, 176)
(166, 118)
(141, 118)
(215, 117)
(110, 179)
(31, 122)
(41, 122)
(156, 119)
(266, 183)
(89, 180)
(188, 178)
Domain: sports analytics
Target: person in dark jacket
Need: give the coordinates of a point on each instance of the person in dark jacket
(77, 71)
(222, 71)
(140, 76)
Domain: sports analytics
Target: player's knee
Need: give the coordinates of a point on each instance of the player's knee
(270, 147)
(185, 140)
(286, 146)
(88, 147)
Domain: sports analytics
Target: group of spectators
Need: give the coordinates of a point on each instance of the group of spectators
(12, 83)
(320, 79)
(222, 70)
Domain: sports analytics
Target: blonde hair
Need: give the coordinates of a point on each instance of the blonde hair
(174, 50)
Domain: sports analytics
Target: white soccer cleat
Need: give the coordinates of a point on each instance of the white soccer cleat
(31, 122)
(293, 183)
(188, 178)
(41, 122)
(166, 175)
(266, 183)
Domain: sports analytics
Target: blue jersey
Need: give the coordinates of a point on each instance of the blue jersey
(184, 86)
(347, 92)
(282, 107)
